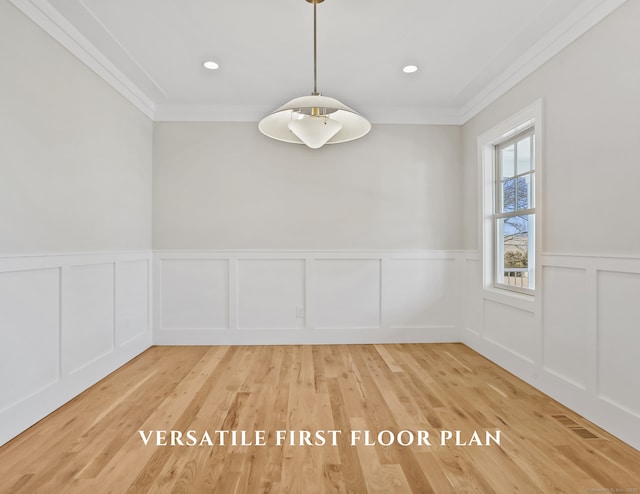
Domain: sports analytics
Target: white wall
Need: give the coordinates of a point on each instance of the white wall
(578, 339)
(226, 186)
(75, 157)
(75, 234)
(591, 162)
(257, 241)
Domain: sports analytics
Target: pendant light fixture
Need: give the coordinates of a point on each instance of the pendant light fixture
(314, 120)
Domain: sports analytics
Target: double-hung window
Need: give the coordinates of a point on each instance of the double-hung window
(514, 215)
(509, 155)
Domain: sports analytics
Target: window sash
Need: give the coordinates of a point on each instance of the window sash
(500, 180)
(500, 251)
(500, 215)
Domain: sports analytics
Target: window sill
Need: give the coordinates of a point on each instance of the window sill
(523, 301)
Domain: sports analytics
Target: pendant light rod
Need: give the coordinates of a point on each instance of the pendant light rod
(314, 120)
(315, 49)
(315, 52)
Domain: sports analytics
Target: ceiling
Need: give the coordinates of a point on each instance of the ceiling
(468, 52)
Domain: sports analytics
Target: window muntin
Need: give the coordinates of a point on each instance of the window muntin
(514, 218)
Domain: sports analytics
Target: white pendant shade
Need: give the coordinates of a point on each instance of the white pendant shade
(314, 131)
(314, 120)
(278, 125)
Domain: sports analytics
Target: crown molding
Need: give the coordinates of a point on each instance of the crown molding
(415, 115)
(209, 113)
(47, 17)
(216, 113)
(550, 45)
(53, 23)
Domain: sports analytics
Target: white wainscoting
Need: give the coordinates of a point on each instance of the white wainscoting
(578, 341)
(303, 297)
(67, 321)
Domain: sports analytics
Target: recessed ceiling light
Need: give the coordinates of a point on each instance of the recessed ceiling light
(409, 69)
(210, 65)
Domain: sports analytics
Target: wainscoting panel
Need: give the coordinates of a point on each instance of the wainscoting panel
(347, 293)
(195, 293)
(619, 339)
(510, 328)
(472, 295)
(81, 316)
(421, 292)
(306, 297)
(576, 340)
(66, 322)
(565, 324)
(132, 300)
(88, 325)
(30, 312)
(271, 294)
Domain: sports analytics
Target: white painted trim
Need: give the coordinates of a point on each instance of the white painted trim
(301, 253)
(223, 113)
(583, 398)
(209, 113)
(565, 255)
(553, 43)
(26, 410)
(51, 21)
(508, 351)
(626, 264)
(23, 262)
(382, 328)
(442, 334)
(532, 114)
(517, 300)
(115, 39)
(42, 13)
(38, 405)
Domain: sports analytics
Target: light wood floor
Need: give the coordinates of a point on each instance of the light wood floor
(92, 444)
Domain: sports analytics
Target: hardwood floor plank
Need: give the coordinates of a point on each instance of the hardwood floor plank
(350, 466)
(380, 418)
(378, 478)
(437, 477)
(392, 394)
(178, 403)
(388, 358)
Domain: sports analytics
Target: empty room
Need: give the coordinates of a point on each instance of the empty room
(311, 246)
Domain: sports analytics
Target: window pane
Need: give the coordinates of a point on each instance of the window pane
(514, 252)
(523, 192)
(524, 155)
(506, 159)
(509, 195)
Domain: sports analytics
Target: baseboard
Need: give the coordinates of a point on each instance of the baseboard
(19, 417)
(332, 336)
(69, 320)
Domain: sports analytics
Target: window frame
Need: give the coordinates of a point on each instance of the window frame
(530, 117)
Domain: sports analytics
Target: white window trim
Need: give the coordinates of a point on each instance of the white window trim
(531, 116)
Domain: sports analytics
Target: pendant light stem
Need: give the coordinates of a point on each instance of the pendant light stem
(314, 120)
(315, 53)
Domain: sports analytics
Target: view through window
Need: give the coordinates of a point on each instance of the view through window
(514, 217)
